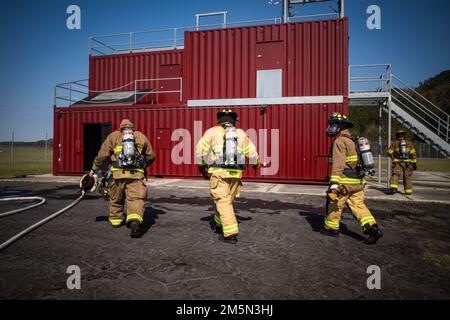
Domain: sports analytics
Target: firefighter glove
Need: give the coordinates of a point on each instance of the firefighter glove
(203, 171)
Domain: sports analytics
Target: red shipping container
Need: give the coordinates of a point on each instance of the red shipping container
(221, 64)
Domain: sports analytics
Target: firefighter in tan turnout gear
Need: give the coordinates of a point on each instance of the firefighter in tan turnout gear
(403, 156)
(129, 153)
(347, 181)
(221, 154)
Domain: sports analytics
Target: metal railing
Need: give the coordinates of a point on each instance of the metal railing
(370, 78)
(68, 93)
(378, 78)
(172, 38)
(422, 109)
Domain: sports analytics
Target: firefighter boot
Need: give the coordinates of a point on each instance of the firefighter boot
(392, 191)
(374, 234)
(230, 239)
(135, 229)
(329, 232)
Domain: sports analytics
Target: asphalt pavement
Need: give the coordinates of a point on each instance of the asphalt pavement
(280, 253)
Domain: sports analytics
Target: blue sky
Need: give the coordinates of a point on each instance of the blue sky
(39, 51)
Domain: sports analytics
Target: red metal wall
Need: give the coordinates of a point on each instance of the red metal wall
(303, 145)
(222, 63)
(114, 71)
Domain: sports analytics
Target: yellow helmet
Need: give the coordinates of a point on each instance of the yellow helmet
(340, 118)
(227, 115)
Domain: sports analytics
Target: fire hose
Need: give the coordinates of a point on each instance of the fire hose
(21, 234)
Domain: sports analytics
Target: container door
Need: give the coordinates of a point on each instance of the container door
(270, 55)
(93, 136)
(269, 69)
(173, 86)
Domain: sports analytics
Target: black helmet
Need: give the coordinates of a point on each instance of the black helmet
(338, 118)
(227, 115)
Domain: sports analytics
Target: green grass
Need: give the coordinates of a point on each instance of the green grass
(31, 160)
(441, 259)
(442, 165)
(26, 161)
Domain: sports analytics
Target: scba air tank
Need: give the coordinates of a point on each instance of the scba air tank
(231, 146)
(366, 153)
(403, 153)
(128, 148)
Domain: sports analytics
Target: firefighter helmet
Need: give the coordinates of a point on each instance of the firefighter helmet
(338, 118)
(227, 115)
(126, 123)
(400, 132)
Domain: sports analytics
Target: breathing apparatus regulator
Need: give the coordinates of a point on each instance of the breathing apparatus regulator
(129, 157)
(335, 124)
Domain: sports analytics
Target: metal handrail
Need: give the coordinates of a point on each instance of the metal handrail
(176, 39)
(383, 80)
(412, 89)
(443, 125)
(71, 88)
(414, 102)
(405, 106)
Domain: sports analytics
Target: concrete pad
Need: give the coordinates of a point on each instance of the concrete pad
(432, 191)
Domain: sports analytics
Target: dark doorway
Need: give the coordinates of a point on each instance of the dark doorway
(93, 136)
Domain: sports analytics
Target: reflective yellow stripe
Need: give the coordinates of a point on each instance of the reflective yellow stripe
(404, 160)
(94, 168)
(331, 224)
(343, 180)
(233, 172)
(128, 169)
(204, 143)
(217, 220)
(230, 230)
(395, 186)
(116, 221)
(366, 220)
(408, 190)
(231, 227)
(249, 149)
(134, 216)
(351, 158)
(336, 179)
(118, 149)
(352, 181)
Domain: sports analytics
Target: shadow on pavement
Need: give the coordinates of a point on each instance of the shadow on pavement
(316, 222)
(210, 220)
(150, 216)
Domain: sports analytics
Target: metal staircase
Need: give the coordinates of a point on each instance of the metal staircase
(402, 102)
(429, 122)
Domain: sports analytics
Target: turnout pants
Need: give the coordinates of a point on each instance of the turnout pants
(223, 191)
(397, 169)
(355, 201)
(131, 191)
